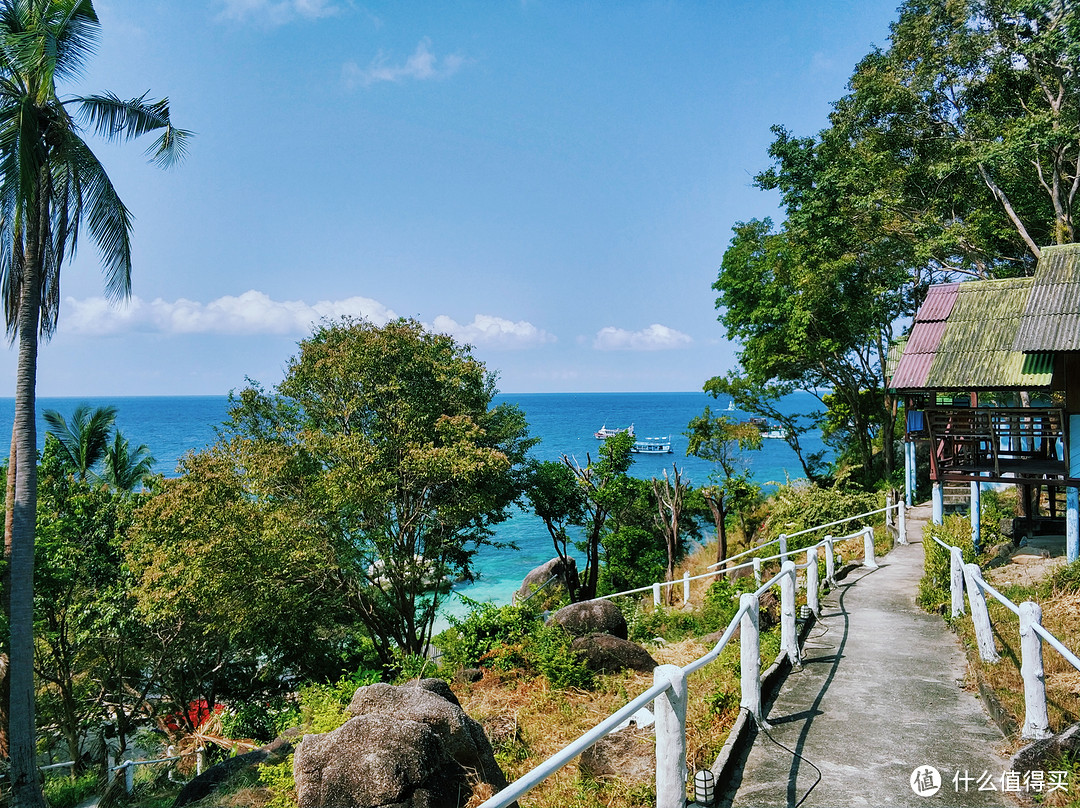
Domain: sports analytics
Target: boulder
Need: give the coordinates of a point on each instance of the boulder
(607, 654)
(405, 747)
(199, 787)
(374, 760)
(554, 591)
(628, 755)
(591, 617)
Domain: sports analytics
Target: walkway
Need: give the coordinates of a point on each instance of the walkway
(880, 694)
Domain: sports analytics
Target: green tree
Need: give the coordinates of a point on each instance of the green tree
(606, 488)
(721, 441)
(82, 444)
(125, 467)
(399, 461)
(558, 500)
(51, 184)
(80, 584)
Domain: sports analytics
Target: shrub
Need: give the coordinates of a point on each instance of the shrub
(722, 601)
(259, 721)
(801, 506)
(485, 628)
(278, 780)
(67, 792)
(322, 706)
(934, 587)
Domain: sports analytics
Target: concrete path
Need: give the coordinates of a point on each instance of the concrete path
(880, 695)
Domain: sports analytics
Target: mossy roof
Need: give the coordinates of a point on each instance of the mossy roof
(995, 335)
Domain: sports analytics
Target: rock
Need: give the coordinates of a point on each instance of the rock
(628, 755)
(471, 675)
(591, 617)
(374, 760)
(769, 609)
(1039, 755)
(436, 686)
(463, 738)
(405, 747)
(607, 654)
(556, 590)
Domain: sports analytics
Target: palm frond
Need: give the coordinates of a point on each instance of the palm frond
(113, 118)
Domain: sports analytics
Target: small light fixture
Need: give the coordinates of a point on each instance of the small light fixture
(704, 787)
(804, 613)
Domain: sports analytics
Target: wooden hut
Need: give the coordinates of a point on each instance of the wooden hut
(990, 374)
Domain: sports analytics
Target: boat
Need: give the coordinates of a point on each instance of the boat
(768, 430)
(652, 446)
(603, 433)
(731, 406)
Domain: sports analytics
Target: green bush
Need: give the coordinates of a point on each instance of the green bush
(485, 628)
(67, 792)
(722, 601)
(278, 779)
(1062, 581)
(259, 721)
(645, 624)
(798, 507)
(935, 585)
(322, 706)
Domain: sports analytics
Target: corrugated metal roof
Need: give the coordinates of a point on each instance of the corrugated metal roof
(1051, 316)
(973, 348)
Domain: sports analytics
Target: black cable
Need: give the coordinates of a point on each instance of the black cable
(792, 752)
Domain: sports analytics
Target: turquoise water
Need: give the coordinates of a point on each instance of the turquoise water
(565, 423)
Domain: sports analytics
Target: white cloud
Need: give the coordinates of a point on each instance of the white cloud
(250, 313)
(654, 338)
(278, 12)
(423, 65)
(493, 332)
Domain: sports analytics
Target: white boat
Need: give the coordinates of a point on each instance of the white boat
(731, 406)
(774, 432)
(652, 446)
(603, 433)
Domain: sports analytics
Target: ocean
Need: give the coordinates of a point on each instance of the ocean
(565, 422)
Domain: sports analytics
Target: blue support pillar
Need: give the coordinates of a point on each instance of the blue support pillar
(976, 515)
(909, 472)
(938, 498)
(1072, 524)
(1072, 495)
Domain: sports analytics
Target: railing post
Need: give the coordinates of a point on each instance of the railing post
(937, 497)
(902, 532)
(789, 639)
(200, 761)
(980, 617)
(757, 570)
(812, 581)
(1036, 720)
(889, 508)
(956, 580)
(750, 656)
(129, 776)
(686, 587)
(868, 549)
(830, 562)
(976, 515)
(783, 548)
(656, 594)
(670, 709)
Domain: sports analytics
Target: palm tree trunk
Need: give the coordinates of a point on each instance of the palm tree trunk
(25, 785)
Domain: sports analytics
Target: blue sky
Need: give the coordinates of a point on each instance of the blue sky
(551, 182)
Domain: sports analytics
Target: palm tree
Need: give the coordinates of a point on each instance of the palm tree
(51, 184)
(84, 441)
(126, 468)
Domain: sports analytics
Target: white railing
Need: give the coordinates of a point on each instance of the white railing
(722, 568)
(127, 767)
(968, 576)
(668, 692)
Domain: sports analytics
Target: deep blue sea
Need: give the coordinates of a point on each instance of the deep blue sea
(565, 423)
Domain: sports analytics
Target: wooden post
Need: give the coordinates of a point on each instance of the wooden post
(938, 498)
(670, 709)
(750, 657)
(757, 570)
(901, 533)
(783, 548)
(789, 638)
(1036, 721)
(686, 587)
(812, 581)
(656, 594)
(830, 562)
(956, 580)
(910, 478)
(980, 617)
(868, 549)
